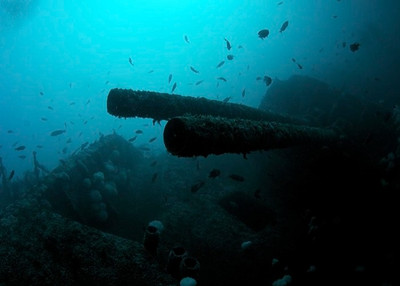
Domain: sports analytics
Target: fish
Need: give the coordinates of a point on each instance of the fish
(173, 88)
(10, 131)
(267, 80)
(214, 173)
(20, 148)
(280, 3)
(259, 78)
(130, 61)
(194, 70)
(262, 34)
(72, 103)
(154, 178)
(139, 131)
(43, 118)
(240, 47)
(228, 44)
(354, 47)
(41, 93)
(222, 78)
(243, 92)
(293, 60)
(87, 102)
(152, 139)
(64, 150)
(236, 177)
(107, 82)
(187, 39)
(11, 175)
(230, 57)
(300, 66)
(150, 71)
(284, 26)
(199, 82)
(170, 78)
(195, 187)
(84, 145)
(39, 146)
(226, 99)
(132, 139)
(57, 132)
(220, 64)
(49, 107)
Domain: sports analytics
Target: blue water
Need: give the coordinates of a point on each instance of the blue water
(67, 55)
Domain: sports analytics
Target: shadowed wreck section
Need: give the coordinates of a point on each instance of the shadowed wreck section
(204, 135)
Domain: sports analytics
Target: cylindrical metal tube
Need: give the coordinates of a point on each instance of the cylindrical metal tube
(164, 106)
(205, 135)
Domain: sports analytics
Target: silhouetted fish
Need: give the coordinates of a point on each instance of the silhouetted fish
(354, 47)
(197, 186)
(139, 131)
(263, 34)
(243, 92)
(187, 39)
(284, 26)
(230, 57)
(49, 107)
(170, 78)
(173, 88)
(132, 139)
(267, 80)
(20, 148)
(220, 64)
(228, 44)
(11, 175)
(221, 78)
(214, 173)
(130, 61)
(236, 177)
(199, 82)
(152, 139)
(194, 70)
(57, 132)
(41, 93)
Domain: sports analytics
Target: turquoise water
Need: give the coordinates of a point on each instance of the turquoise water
(59, 59)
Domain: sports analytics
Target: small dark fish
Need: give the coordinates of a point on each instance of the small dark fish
(220, 64)
(226, 99)
(153, 163)
(199, 82)
(267, 80)
(228, 44)
(230, 57)
(11, 175)
(10, 131)
(41, 93)
(280, 3)
(150, 71)
(130, 61)
(84, 145)
(152, 139)
(39, 146)
(87, 102)
(284, 26)
(72, 103)
(222, 78)
(257, 194)
(107, 82)
(293, 60)
(240, 47)
(262, 34)
(214, 173)
(197, 186)
(300, 66)
(43, 118)
(154, 178)
(259, 78)
(173, 88)
(49, 107)
(132, 139)
(243, 92)
(236, 177)
(64, 150)
(139, 131)
(187, 39)
(170, 78)
(354, 47)
(194, 70)
(57, 132)
(20, 148)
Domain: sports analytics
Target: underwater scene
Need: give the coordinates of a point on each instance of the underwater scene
(199, 142)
